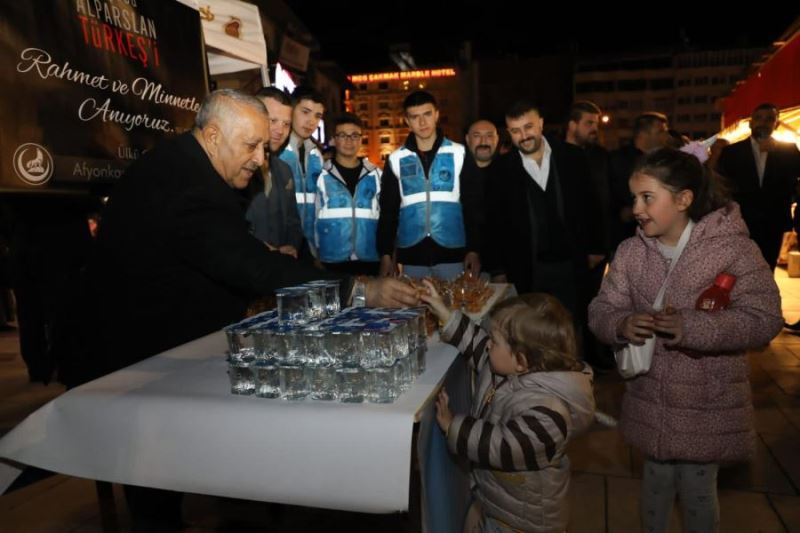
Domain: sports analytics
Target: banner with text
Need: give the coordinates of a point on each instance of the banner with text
(89, 85)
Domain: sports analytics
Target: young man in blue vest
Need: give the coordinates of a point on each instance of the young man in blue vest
(431, 210)
(303, 156)
(347, 204)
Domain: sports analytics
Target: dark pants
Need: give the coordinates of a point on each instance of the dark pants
(769, 241)
(557, 278)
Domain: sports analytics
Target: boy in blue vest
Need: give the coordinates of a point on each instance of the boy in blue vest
(347, 204)
(303, 156)
(431, 210)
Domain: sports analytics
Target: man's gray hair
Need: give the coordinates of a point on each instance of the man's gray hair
(220, 106)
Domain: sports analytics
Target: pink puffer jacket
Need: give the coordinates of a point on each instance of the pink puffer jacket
(698, 407)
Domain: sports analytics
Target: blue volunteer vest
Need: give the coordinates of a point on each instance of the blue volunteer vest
(430, 207)
(347, 225)
(305, 185)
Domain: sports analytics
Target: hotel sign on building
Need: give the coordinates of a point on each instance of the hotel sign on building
(377, 98)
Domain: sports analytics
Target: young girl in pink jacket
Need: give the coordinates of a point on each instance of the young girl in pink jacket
(692, 410)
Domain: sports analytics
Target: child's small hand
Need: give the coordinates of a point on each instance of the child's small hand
(435, 303)
(636, 328)
(443, 414)
(669, 322)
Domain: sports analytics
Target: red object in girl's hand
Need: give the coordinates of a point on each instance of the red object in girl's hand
(718, 296)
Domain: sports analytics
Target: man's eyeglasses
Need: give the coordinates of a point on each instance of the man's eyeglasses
(344, 136)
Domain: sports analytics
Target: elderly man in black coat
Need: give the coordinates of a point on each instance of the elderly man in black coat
(175, 259)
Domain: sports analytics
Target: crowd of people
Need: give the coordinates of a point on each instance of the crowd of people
(551, 216)
(246, 203)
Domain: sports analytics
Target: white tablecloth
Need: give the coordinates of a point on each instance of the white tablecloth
(170, 422)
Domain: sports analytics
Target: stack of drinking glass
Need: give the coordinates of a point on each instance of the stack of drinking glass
(307, 347)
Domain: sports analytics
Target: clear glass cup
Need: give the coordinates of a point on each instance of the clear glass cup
(381, 385)
(264, 343)
(294, 306)
(343, 345)
(290, 346)
(320, 366)
(293, 381)
(331, 290)
(240, 343)
(351, 384)
(402, 375)
(241, 377)
(367, 343)
(316, 299)
(267, 379)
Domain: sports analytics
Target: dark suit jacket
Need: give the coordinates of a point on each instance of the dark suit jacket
(274, 219)
(174, 259)
(621, 163)
(767, 207)
(511, 239)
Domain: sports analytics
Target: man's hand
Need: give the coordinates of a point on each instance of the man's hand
(387, 268)
(390, 292)
(472, 263)
(288, 249)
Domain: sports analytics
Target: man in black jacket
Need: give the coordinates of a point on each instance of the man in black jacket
(763, 173)
(272, 212)
(174, 258)
(544, 233)
(650, 132)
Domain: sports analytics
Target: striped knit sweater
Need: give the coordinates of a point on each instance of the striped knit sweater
(516, 434)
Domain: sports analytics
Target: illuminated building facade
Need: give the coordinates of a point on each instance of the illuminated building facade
(377, 99)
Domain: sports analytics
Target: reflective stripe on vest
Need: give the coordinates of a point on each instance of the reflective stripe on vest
(430, 206)
(347, 232)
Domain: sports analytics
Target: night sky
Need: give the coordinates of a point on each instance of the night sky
(356, 34)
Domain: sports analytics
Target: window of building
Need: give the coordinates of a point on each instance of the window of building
(700, 117)
(631, 85)
(363, 106)
(661, 84)
(683, 100)
(364, 140)
(684, 118)
(383, 105)
(385, 139)
(383, 86)
(701, 99)
(384, 123)
(683, 82)
(594, 87)
(702, 80)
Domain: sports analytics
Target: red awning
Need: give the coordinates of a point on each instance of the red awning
(777, 82)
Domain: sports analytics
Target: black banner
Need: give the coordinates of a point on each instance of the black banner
(89, 85)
